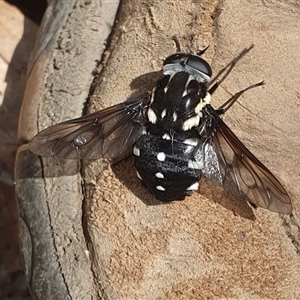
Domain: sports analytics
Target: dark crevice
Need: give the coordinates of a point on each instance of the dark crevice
(292, 229)
(43, 167)
(32, 9)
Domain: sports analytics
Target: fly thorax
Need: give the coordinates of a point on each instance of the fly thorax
(177, 102)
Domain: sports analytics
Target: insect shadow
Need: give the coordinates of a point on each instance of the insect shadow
(30, 165)
(147, 81)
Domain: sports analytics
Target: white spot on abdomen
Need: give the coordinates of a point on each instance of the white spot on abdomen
(136, 151)
(193, 187)
(161, 156)
(159, 175)
(160, 188)
(163, 113)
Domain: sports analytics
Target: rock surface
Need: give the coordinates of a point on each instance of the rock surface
(212, 245)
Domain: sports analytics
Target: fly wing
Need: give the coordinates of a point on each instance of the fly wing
(105, 134)
(242, 174)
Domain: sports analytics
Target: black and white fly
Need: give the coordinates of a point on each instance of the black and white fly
(178, 137)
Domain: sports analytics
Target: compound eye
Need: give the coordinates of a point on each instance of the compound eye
(190, 63)
(176, 58)
(199, 64)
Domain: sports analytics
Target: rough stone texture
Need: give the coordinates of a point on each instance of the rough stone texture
(210, 246)
(49, 191)
(17, 40)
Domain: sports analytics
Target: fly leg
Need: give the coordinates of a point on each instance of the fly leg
(225, 106)
(227, 69)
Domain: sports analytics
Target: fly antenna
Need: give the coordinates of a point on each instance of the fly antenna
(201, 52)
(176, 40)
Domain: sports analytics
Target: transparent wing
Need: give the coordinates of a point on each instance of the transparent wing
(105, 134)
(242, 174)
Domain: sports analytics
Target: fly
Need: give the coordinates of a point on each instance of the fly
(177, 137)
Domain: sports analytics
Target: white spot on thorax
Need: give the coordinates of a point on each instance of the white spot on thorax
(160, 188)
(207, 98)
(193, 187)
(199, 107)
(159, 175)
(161, 156)
(139, 175)
(136, 151)
(187, 84)
(191, 122)
(184, 93)
(153, 95)
(191, 142)
(174, 116)
(152, 116)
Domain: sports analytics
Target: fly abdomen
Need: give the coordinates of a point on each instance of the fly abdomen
(167, 166)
